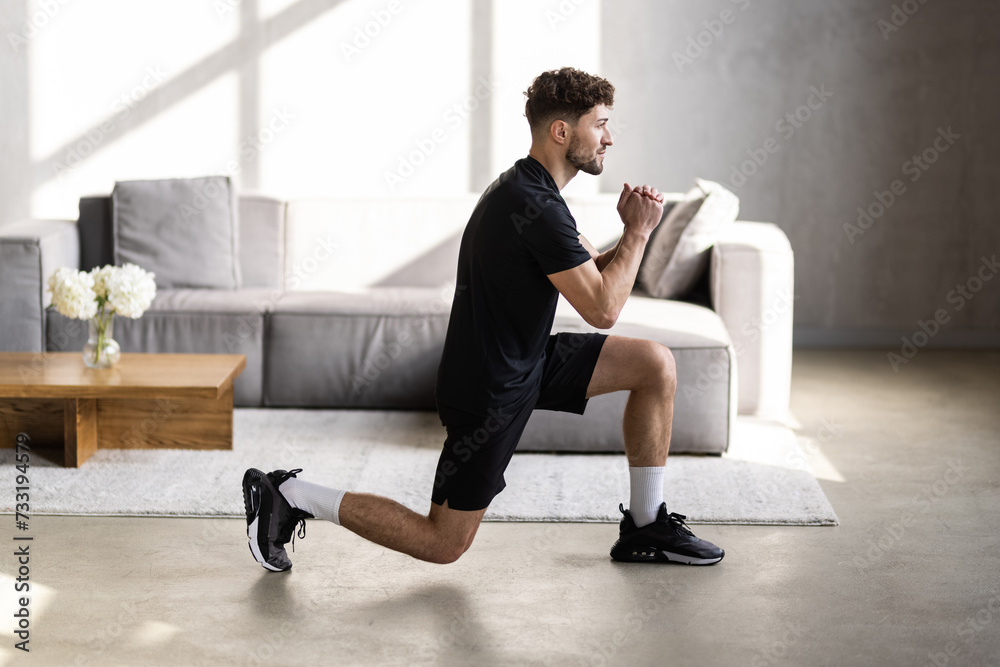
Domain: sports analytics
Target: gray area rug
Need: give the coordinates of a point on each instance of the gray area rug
(763, 479)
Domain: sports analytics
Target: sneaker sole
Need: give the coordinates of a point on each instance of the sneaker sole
(251, 503)
(661, 556)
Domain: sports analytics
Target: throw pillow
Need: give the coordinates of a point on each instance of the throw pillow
(183, 230)
(665, 237)
(679, 252)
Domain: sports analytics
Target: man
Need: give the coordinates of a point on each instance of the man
(520, 250)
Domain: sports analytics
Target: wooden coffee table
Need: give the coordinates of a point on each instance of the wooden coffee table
(182, 401)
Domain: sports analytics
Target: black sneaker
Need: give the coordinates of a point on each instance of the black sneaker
(270, 519)
(666, 540)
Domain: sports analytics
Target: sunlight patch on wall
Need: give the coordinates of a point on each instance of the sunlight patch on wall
(195, 137)
(374, 87)
(85, 68)
(83, 98)
(266, 8)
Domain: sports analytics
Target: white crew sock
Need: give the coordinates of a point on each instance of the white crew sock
(320, 501)
(646, 495)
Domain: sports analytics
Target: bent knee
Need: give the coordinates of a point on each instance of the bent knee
(661, 367)
(447, 555)
(449, 551)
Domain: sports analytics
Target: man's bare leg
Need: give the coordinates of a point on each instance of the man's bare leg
(277, 501)
(647, 370)
(641, 366)
(440, 537)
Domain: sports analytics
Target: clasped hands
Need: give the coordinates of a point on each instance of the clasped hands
(640, 208)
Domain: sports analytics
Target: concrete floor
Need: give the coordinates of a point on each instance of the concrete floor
(911, 577)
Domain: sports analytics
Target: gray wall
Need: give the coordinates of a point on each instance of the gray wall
(890, 95)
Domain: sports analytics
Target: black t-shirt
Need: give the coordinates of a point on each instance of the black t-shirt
(520, 232)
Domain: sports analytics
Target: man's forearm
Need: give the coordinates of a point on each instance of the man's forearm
(621, 269)
(605, 257)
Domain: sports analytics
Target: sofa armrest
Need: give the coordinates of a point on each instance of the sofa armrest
(752, 288)
(30, 251)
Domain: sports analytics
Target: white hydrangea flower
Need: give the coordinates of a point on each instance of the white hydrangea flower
(101, 276)
(73, 293)
(130, 290)
(120, 290)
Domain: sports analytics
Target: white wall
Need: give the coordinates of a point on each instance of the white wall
(264, 89)
(290, 97)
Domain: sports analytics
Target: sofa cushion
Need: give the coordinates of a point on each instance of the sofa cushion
(21, 309)
(377, 348)
(183, 230)
(704, 405)
(678, 252)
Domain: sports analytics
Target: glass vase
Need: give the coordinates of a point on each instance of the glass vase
(101, 350)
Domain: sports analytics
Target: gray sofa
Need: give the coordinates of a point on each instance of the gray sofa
(344, 303)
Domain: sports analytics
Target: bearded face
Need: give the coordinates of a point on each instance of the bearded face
(589, 160)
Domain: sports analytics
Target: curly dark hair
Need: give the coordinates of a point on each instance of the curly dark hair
(564, 94)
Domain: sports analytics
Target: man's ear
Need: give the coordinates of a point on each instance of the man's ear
(559, 131)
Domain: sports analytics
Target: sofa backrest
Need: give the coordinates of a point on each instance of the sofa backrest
(261, 237)
(348, 244)
(345, 244)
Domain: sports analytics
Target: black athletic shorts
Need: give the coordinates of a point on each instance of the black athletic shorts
(477, 449)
